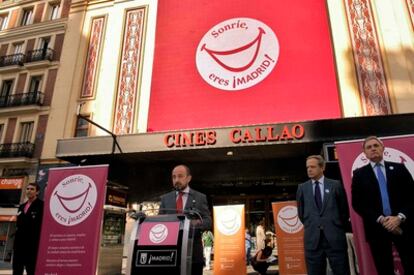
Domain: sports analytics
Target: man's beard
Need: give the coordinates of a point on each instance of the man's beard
(179, 187)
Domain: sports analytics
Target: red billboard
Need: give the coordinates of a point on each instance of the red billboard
(239, 62)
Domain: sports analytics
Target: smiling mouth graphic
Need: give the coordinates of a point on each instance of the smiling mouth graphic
(291, 221)
(158, 235)
(69, 202)
(216, 54)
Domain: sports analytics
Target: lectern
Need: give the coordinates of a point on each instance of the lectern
(161, 244)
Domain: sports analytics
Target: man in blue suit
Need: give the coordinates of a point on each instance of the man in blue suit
(184, 199)
(382, 194)
(323, 210)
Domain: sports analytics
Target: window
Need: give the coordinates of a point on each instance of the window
(82, 127)
(18, 48)
(4, 19)
(54, 11)
(27, 17)
(35, 84)
(6, 90)
(44, 43)
(26, 131)
(1, 131)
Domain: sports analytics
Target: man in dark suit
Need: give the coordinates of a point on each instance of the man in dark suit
(182, 200)
(323, 210)
(383, 194)
(28, 224)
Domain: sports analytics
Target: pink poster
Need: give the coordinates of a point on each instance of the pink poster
(72, 220)
(397, 149)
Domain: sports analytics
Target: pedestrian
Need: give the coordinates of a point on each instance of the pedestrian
(28, 225)
(260, 235)
(382, 194)
(323, 210)
(207, 239)
(183, 199)
(248, 245)
(260, 261)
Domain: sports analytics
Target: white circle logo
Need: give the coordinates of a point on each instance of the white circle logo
(158, 233)
(390, 154)
(288, 219)
(228, 221)
(237, 54)
(73, 200)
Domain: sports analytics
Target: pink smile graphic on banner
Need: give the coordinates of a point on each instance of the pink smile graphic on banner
(72, 220)
(159, 233)
(237, 62)
(397, 149)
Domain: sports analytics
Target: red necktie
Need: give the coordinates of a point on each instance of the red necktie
(179, 203)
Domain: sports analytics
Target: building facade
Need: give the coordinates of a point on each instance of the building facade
(241, 93)
(31, 40)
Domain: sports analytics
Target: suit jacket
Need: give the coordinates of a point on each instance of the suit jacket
(28, 227)
(196, 201)
(366, 197)
(331, 219)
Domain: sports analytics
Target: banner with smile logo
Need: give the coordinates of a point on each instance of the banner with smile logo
(72, 220)
(397, 149)
(289, 236)
(229, 250)
(238, 62)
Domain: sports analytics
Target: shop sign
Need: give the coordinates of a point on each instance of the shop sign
(269, 134)
(7, 218)
(116, 198)
(11, 183)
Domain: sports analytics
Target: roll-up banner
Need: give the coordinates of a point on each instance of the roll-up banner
(289, 237)
(397, 149)
(72, 220)
(229, 233)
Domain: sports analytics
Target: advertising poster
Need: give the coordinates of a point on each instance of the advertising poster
(397, 149)
(239, 62)
(72, 219)
(289, 236)
(229, 233)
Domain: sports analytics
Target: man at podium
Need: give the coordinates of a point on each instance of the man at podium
(187, 200)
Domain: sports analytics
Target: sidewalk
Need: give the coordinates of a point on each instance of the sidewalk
(5, 269)
(273, 269)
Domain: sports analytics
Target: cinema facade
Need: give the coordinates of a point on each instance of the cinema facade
(240, 92)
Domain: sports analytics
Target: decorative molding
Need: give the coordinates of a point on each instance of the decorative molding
(93, 57)
(129, 71)
(367, 57)
(410, 5)
(23, 32)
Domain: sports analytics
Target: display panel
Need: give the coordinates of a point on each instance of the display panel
(238, 62)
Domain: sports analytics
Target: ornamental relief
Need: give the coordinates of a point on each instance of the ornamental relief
(129, 71)
(367, 56)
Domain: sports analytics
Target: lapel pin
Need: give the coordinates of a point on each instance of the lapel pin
(327, 191)
(391, 167)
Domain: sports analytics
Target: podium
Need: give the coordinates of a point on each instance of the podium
(161, 244)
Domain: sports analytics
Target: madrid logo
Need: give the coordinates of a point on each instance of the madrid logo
(158, 233)
(288, 219)
(237, 54)
(228, 221)
(73, 200)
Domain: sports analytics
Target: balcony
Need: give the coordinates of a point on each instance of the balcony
(11, 63)
(23, 99)
(40, 55)
(16, 150)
